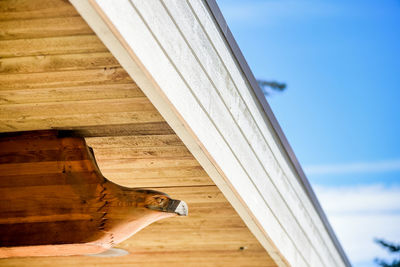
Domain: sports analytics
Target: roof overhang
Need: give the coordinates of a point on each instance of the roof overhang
(184, 58)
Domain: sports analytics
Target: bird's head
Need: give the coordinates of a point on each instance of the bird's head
(162, 202)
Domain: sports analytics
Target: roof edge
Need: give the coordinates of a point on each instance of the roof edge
(237, 53)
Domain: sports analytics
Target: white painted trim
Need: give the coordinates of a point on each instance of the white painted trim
(175, 53)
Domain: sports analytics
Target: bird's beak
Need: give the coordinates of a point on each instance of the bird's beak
(177, 206)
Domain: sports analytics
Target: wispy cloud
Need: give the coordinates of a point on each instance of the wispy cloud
(363, 199)
(359, 214)
(357, 233)
(355, 167)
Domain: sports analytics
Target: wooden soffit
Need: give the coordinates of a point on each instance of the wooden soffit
(56, 73)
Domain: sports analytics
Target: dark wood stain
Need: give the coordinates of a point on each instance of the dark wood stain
(69, 203)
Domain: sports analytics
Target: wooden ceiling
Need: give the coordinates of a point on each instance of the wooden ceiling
(56, 74)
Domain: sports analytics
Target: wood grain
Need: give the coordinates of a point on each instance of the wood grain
(27, 9)
(43, 27)
(66, 94)
(85, 213)
(48, 63)
(56, 74)
(51, 46)
(79, 107)
(185, 258)
(104, 130)
(64, 79)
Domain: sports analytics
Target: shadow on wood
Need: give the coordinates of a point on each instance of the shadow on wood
(54, 200)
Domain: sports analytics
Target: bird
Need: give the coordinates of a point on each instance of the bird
(54, 201)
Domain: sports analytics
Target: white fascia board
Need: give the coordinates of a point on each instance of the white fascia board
(176, 54)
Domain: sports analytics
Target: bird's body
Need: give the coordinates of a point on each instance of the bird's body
(54, 200)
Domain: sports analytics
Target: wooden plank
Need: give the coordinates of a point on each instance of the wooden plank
(64, 79)
(105, 130)
(43, 27)
(134, 141)
(33, 168)
(28, 9)
(229, 239)
(200, 220)
(115, 164)
(187, 258)
(18, 180)
(197, 194)
(78, 108)
(51, 46)
(142, 153)
(168, 177)
(36, 155)
(50, 192)
(50, 63)
(66, 94)
(10, 145)
(43, 218)
(154, 173)
(28, 123)
(199, 240)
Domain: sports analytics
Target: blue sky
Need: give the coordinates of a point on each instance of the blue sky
(341, 110)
